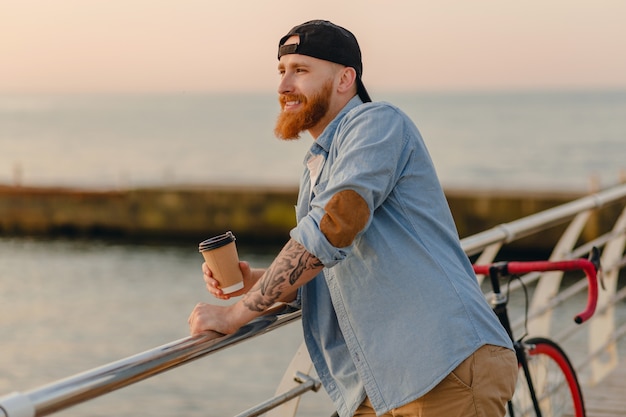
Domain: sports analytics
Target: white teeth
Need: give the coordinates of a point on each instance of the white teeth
(292, 103)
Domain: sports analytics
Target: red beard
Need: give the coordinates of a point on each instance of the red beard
(290, 124)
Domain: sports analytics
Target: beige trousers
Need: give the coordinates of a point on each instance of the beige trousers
(479, 387)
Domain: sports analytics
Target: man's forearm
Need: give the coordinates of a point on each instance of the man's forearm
(293, 267)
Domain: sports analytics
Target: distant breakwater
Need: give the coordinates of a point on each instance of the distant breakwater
(256, 215)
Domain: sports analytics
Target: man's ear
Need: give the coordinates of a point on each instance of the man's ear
(347, 80)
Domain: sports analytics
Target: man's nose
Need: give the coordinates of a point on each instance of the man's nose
(285, 85)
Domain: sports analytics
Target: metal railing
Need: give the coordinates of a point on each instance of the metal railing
(96, 382)
(602, 331)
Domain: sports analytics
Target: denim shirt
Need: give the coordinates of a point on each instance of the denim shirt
(398, 309)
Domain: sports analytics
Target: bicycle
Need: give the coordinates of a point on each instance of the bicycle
(547, 385)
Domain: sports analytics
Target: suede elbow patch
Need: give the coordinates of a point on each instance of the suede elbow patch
(346, 215)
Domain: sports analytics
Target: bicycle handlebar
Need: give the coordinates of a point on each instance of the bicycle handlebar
(589, 266)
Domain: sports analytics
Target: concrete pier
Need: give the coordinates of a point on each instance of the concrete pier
(255, 215)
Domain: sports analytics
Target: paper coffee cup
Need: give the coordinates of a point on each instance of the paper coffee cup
(220, 254)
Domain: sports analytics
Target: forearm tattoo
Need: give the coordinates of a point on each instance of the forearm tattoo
(279, 278)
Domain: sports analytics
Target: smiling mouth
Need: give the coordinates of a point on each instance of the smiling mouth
(290, 102)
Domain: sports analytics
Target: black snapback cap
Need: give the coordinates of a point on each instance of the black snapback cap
(324, 40)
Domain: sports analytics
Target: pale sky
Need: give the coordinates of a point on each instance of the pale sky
(230, 46)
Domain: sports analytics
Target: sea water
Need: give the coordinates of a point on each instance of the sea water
(68, 306)
(529, 140)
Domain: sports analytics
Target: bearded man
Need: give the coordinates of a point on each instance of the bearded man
(393, 317)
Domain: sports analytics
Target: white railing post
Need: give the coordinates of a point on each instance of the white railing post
(301, 362)
(550, 282)
(603, 326)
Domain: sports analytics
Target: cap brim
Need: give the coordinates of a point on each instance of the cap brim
(362, 92)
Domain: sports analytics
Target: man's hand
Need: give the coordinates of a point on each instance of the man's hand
(205, 317)
(250, 277)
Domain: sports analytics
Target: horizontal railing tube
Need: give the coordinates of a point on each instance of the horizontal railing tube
(307, 383)
(85, 386)
(534, 223)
